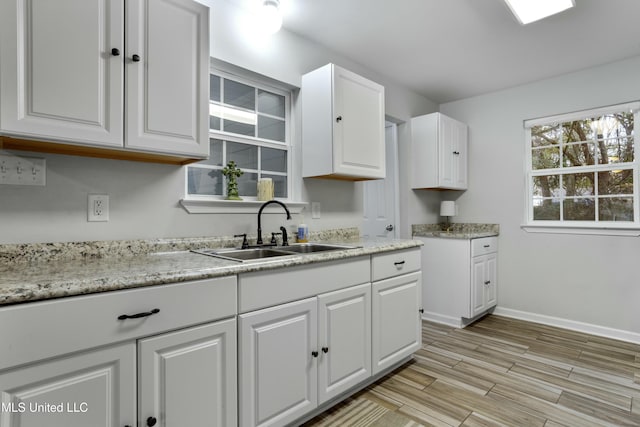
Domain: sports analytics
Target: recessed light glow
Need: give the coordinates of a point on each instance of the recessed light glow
(271, 17)
(527, 11)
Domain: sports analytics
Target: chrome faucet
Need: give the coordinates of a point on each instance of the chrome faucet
(259, 241)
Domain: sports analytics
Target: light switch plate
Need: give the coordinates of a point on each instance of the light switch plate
(18, 170)
(315, 210)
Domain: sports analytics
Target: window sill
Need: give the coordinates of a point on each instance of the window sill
(592, 230)
(202, 206)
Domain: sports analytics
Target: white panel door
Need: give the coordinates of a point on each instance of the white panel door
(58, 76)
(478, 278)
(380, 203)
(396, 324)
(278, 371)
(358, 128)
(344, 319)
(96, 389)
(188, 377)
(167, 65)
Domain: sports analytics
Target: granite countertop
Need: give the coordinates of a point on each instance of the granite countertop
(456, 231)
(60, 276)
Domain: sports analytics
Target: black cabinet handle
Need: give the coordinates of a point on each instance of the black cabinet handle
(339, 119)
(139, 315)
(421, 310)
(115, 52)
(399, 263)
(151, 421)
(135, 58)
(486, 246)
(325, 350)
(314, 353)
(487, 282)
(456, 152)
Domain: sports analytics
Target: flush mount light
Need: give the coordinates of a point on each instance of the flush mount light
(527, 11)
(270, 16)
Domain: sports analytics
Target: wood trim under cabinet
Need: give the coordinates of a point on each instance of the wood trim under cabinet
(9, 143)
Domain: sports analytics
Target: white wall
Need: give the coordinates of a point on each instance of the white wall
(588, 279)
(144, 197)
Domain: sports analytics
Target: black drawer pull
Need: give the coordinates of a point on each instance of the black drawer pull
(314, 353)
(398, 263)
(488, 282)
(486, 246)
(325, 350)
(139, 315)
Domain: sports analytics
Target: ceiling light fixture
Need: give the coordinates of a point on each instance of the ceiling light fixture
(271, 16)
(527, 11)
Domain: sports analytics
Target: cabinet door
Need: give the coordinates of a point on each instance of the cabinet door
(167, 87)
(344, 319)
(491, 274)
(396, 325)
(278, 372)
(452, 137)
(58, 77)
(188, 377)
(358, 126)
(478, 285)
(96, 388)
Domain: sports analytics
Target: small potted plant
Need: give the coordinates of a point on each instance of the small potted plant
(232, 173)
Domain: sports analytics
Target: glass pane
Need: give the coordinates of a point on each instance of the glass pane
(616, 150)
(273, 160)
(579, 209)
(214, 123)
(239, 128)
(204, 181)
(545, 158)
(270, 103)
(578, 184)
(245, 155)
(279, 184)
(545, 135)
(272, 129)
(214, 88)
(578, 154)
(215, 153)
(615, 182)
(248, 184)
(614, 125)
(546, 210)
(577, 131)
(615, 209)
(239, 95)
(546, 186)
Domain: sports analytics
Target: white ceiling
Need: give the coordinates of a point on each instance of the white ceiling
(453, 49)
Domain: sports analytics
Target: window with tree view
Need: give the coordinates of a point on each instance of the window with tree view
(248, 123)
(583, 169)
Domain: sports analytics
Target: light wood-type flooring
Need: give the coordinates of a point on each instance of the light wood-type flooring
(502, 372)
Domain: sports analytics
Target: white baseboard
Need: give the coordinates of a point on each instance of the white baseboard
(573, 325)
(456, 322)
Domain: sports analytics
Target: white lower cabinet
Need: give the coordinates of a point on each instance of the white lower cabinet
(396, 325)
(95, 388)
(188, 377)
(295, 356)
(483, 283)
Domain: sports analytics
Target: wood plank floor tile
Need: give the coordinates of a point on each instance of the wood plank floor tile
(502, 372)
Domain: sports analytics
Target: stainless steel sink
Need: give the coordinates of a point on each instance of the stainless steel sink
(307, 248)
(251, 254)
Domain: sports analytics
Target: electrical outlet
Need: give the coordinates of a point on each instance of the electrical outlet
(98, 208)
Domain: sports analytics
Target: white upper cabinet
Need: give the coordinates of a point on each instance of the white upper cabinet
(439, 152)
(342, 125)
(63, 67)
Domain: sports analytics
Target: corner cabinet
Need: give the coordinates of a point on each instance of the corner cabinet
(106, 73)
(439, 152)
(342, 125)
(462, 281)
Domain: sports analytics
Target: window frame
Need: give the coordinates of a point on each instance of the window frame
(580, 226)
(286, 145)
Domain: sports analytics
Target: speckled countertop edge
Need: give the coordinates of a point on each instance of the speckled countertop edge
(41, 280)
(456, 230)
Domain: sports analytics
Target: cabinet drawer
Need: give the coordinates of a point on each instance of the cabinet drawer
(394, 263)
(39, 330)
(485, 245)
